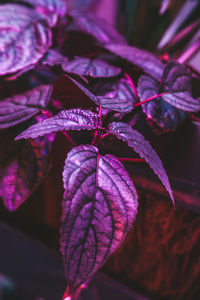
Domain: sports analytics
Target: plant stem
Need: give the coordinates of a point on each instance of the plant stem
(68, 138)
(151, 98)
(131, 159)
(132, 85)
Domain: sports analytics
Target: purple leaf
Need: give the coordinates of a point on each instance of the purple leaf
(136, 141)
(99, 207)
(183, 101)
(22, 107)
(176, 77)
(89, 94)
(143, 59)
(90, 67)
(158, 112)
(50, 8)
(103, 32)
(23, 164)
(53, 57)
(72, 119)
(24, 38)
(120, 96)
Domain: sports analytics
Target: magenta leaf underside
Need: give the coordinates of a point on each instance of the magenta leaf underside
(24, 38)
(22, 107)
(103, 32)
(148, 62)
(99, 207)
(137, 142)
(23, 165)
(90, 67)
(72, 119)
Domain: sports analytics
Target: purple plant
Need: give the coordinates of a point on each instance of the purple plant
(63, 71)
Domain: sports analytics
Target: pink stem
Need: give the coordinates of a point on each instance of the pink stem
(69, 138)
(151, 98)
(131, 159)
(132, 85)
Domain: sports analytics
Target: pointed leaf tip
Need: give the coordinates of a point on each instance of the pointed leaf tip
(99, 207)
(137, 142)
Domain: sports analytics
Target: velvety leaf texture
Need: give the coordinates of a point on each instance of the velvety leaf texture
(22, 167)
(136, 141)
(120, 98)
(103, 32)
(143, 59)
(90, 67)
(72, 119)
(50, 8)
(53, 58)
(99, 207)
(159, 113)
(22, 107)
(24, 38)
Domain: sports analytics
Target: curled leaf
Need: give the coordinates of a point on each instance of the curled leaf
(137, 142)
(159, 113)
(99, 207)
(24, 38)
(72, 119)
(22, 107)
(90, 67)
(148, 62)
(102, 31)
(23, 164)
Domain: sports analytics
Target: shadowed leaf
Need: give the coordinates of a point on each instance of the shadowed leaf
(24, 38)
(136, 141)
(99, 207)
(22, 107)
(148, 62)
(90, 67)
(23, 164)
(118, 96)
(72, 119)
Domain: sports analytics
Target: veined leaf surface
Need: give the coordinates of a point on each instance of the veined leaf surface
(99, 207)
(90, 67)
(22, 107)
(137, 142)
(72, 119)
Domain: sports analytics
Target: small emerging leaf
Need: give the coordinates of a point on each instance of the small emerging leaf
(148, 62)
(24, 38)
(22, 107)
(23, 164)
(72, 119)
(90, 67)
(99, 207)
(136, 141)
